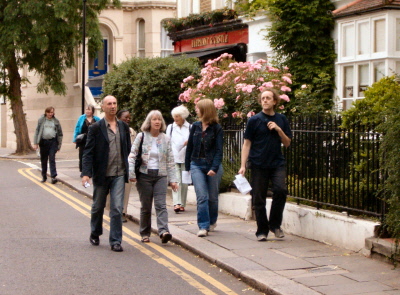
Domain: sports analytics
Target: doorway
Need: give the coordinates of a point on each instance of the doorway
(98, 66)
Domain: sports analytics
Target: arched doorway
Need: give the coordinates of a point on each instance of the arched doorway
(99, 65)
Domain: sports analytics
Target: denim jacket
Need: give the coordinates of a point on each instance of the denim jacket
(165, 156)
(213, 141)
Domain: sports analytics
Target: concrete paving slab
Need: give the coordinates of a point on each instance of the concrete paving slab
(337, 259)
(390, 277)
(273, 260)
(316, 250)
(327, 270)
(353, 288)
(326, 280)
(237, 265)
(275, 284)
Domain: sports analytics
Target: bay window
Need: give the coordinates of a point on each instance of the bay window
(379, 35)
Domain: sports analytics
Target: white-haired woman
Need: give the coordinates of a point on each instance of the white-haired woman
(156, 170)
(179, 134)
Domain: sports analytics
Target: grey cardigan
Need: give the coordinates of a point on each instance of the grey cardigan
(39, 131)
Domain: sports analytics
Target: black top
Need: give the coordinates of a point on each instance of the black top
(266, 145)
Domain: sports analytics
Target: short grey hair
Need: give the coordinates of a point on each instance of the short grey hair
(180, 111)
(147, 122)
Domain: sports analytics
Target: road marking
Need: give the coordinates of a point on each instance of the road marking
(85, 210)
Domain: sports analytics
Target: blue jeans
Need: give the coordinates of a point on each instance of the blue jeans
(115, 185)
(207, 190)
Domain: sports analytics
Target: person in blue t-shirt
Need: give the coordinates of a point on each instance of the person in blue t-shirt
(265, 133)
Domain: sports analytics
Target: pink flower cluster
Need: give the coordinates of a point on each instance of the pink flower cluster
(219, 103)
(235, 85)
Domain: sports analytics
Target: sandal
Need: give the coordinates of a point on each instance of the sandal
(145, 240)
(165, 237)
(177, 208)
(182, 209)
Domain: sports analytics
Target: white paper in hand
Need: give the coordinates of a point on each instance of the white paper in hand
(186, 177)
(242, 184)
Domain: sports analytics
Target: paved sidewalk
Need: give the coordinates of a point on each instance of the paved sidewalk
(292, 265)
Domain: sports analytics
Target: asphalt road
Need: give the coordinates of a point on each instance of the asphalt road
(44, 248)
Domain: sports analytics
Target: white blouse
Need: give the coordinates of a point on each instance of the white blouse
(153, 159)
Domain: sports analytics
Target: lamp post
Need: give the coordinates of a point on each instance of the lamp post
(83, 55)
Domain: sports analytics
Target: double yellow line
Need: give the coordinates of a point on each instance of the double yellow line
(132, 239)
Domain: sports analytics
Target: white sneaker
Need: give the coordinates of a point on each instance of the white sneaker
(202, 233)
(262, 238)
(213, 226)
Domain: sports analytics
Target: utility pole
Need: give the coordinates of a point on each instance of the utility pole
(83, 55)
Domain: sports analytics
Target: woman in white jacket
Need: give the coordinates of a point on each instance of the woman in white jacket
(156, 170)
(179, 134)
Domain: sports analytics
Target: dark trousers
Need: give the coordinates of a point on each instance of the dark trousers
(48, 150)
(81, 148)
(259, 182)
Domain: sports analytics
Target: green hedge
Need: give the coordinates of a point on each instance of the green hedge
(145, 84)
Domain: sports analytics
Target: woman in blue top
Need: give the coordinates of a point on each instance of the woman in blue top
(82, 127)
(204, 161)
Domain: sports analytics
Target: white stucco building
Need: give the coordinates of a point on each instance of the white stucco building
(366, 36)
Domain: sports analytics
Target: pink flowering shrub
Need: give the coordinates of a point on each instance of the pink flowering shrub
(235, 86)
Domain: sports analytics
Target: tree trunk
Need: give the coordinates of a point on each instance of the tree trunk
(14, 94)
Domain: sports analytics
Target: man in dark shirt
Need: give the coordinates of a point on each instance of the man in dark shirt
(264, 135)
(105, 158)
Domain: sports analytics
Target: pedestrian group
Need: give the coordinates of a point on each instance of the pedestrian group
(113, 156)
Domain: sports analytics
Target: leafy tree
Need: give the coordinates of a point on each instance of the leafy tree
(310, 99)
(300, 36)
(42, 35)
(250, 8)
(145, 84)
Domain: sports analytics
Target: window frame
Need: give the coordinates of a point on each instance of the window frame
(164, 52)
(141, 51)
(374, 20)
(358, 36)
(343, 46)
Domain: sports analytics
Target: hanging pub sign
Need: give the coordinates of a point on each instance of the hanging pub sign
(212, 40)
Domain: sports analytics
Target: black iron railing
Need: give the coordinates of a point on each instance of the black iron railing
(327, 166)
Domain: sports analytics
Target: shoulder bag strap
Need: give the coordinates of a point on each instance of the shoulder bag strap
(140, 146)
